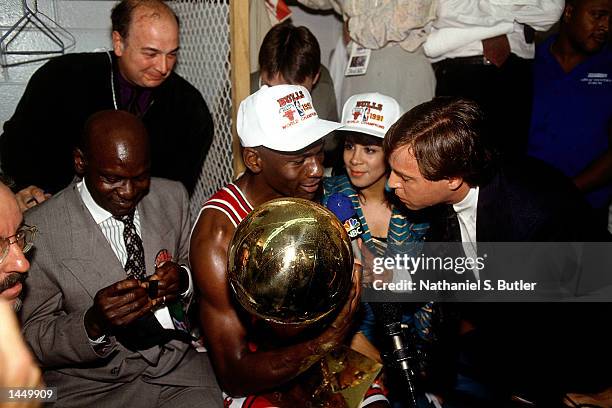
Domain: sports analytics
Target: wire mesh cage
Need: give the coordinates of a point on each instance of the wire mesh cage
(205, 62)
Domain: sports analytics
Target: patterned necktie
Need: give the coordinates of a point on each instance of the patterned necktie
(135, 265)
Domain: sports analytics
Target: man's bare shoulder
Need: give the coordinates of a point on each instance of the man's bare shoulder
(212, 228)
(208, 251)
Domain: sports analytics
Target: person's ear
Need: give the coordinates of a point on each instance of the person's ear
(252, 159)
(454, 183)
(118, 43)
(316, 78)
(567, 13)
(80, 164)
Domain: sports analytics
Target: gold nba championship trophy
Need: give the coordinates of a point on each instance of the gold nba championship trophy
(290, 264)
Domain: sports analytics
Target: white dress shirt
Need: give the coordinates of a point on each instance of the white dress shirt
(466, 210)
(111, 227)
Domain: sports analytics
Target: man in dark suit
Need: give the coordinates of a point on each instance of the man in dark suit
(438, 155)
(439, 159)
(108, 276)
(137, 77)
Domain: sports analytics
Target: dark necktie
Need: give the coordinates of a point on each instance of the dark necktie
(135, 265)
(133, 105)
(453, 231)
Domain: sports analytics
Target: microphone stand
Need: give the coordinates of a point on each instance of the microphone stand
(400, 359)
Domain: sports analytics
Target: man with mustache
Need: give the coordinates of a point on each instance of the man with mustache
(18, 366)
(15, 239)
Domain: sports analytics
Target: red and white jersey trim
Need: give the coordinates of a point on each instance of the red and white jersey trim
(373, 394)
(231, 201)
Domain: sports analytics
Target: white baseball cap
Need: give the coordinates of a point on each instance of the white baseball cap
(282, 118)
(370, 113)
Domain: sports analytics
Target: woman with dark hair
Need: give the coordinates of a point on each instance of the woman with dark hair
(388, 228)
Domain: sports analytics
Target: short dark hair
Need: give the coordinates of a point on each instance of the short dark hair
(291, 51)
(121, 15)
(447, 137)
(361, 138)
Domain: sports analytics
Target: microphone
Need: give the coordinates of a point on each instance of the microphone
(390, 314)
(342, 207)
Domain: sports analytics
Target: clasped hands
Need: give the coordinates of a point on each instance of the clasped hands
(123, 302)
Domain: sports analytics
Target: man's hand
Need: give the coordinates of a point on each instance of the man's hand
(116, 306)
(337, 332)
(30, 196)
(168, 282)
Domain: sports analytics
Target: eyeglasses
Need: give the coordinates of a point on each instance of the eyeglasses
(24, 238)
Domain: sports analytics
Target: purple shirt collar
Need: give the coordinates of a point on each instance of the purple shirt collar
(144, 96)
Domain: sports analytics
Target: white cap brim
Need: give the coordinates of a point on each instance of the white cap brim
(315, 131)
(358, 129)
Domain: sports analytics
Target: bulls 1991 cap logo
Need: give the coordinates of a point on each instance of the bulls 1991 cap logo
(361, 114)
(367, 113)
(294, 109)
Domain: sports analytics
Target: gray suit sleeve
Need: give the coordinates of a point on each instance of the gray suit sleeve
(183, 255)
(57, 336)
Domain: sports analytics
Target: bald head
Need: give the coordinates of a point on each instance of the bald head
(8, 204)
(123, 14)
(145, 40)
(113, 159)
(114, 130)
(10, 214)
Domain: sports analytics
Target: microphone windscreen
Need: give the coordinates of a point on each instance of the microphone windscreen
(341, 206)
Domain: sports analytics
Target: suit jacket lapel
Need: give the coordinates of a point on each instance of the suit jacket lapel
(153, 229)
(491, 213)
(94, 263)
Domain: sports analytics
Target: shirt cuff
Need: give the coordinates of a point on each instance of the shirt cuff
(98, 341)
(102, 345)
(189, 290)
(164, 318)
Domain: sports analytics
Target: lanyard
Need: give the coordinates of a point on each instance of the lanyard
(112, 80)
